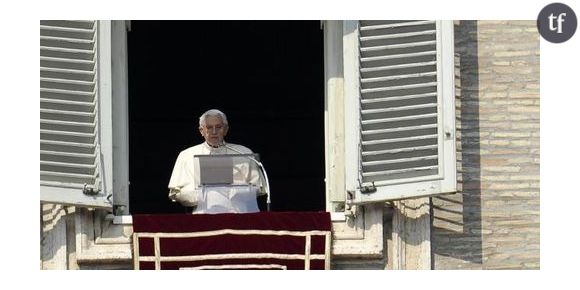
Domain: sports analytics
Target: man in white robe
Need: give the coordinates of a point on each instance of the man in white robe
(184, 185)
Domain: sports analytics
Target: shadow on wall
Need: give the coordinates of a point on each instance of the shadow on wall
(55, 221)
(456, 219)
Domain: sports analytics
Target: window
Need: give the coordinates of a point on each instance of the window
(267, 76)
(389, 116)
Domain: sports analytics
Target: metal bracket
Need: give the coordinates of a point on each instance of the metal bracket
(89, 190)
(118, 209)
(368, 188)
(350, 209)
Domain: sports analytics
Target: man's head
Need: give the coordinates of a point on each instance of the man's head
(213, 126)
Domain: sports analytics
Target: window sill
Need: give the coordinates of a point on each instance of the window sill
(120, 219)
(337, 216)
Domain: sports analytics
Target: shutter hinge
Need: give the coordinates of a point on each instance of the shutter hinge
(350, 208)
(90, 190)
(118, 209)
(366, 189)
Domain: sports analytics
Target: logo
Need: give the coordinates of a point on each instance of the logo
(557, 22)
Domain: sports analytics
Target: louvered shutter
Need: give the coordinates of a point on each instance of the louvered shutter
(70, 164)
(404, 110)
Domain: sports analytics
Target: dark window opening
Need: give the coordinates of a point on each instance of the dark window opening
(267, 76)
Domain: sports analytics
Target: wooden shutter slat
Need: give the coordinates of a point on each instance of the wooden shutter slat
(79, 179)
(398, 77)
(67, 102)
(68, 28)
(390, 172)
(398, 140)
(401, 150)
(66, 71)
(64, 133)
(394, 88)
(86, 24)
(66, 146)
(396, 56)
(397, 98)
(398, 35)
(62, 40)
(71, 113)
(68, 154)
(397, 119)
(69, 165)
(397, 66)
(71, 51)
(60, 92)
(382, 131)
(397, 109)
(68, 123)
(47, 142)
(400, 160)
(398, 46)
(68, 82)
(66, 53)
(71, 175)
(78, 75)
(64, 61)
(68, 32)
(393, 25)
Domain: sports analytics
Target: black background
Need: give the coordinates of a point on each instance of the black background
(267, 76)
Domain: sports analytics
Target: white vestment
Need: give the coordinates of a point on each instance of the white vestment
(185, 188)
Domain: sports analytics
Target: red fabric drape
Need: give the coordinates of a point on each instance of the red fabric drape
(229, 243)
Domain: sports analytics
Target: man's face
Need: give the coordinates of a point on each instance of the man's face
(214, 130)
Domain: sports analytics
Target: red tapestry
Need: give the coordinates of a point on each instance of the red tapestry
(263, 240)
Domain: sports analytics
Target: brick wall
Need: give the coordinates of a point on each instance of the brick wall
(494, 221)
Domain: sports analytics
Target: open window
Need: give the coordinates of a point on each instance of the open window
(388, 116)
(266, 76)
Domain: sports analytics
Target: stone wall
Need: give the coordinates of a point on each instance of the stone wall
(493, 222)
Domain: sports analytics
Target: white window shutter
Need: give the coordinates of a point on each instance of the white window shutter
(401, 125)
(71, 170)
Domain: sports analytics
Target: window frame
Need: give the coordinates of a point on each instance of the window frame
(357, 231)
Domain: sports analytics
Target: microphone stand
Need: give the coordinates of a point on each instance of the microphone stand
(261, 166)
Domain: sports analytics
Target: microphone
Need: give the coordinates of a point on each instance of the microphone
(261, 166)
